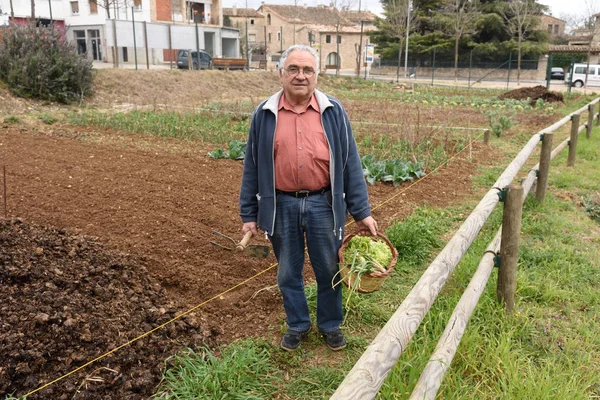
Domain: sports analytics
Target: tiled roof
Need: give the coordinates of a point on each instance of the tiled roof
(331, 28)
(241, 12)
(355, 17)
(553, 17)
(563, 48)
(321, 15)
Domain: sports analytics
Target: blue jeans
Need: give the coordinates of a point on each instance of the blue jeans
(311, 216)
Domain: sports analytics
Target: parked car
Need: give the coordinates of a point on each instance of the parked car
(204, 61)
(557, 73)
(578, 78)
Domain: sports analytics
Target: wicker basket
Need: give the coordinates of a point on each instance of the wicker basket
(369, 282)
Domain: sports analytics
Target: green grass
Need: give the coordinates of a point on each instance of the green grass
(11, 119)
(204, 126)
(47, 118)
(242, 370)
(547, 348)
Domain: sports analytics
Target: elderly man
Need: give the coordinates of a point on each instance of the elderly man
(302, 175)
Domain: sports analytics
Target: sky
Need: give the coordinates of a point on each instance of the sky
(557, 7)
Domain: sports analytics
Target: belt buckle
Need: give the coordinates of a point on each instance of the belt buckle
(302, 193)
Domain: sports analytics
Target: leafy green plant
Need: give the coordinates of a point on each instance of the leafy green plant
(236, 151)
(499, 123)
(391, 171)
(539, 104)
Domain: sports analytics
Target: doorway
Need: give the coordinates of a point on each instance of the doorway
(96, 44)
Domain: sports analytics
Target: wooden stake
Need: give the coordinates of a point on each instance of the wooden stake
(542, 182)
(509, 246)
(4, 180)
(470, 149)
(573, 140)
(590, 124)
(486, 137)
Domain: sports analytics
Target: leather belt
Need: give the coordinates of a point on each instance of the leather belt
(304, 193)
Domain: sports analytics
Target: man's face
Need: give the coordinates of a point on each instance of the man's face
(297, 86)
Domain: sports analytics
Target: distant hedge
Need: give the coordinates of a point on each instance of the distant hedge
(41, 63)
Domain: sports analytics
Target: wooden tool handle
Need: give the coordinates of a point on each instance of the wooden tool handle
(242, 245)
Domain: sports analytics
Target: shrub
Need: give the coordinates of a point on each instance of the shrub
(40, 63)
(591, 206)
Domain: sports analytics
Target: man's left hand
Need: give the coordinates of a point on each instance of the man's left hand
(367, 224)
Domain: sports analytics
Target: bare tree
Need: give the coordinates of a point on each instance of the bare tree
(33, 11)
(114, 5)
(458, 18)
(520, 16)
(593, 24)
(397, 15)
(12, 10)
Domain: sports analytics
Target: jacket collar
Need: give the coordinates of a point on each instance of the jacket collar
(272, 103)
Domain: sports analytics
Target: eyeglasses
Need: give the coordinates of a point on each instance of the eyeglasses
(293, 71)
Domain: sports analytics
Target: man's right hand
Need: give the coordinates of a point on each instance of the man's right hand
(249, 227)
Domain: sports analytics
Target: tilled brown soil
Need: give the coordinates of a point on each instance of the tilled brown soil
(533, 93)
(131, 249)
(66, 299)
(108, 236)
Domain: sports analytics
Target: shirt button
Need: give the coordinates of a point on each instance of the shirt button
(300, 165)
(300, 147)
(299, 115)
(300, 131)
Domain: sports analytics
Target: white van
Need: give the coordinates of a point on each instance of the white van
(579, 71)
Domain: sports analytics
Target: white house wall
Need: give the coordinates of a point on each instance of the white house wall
(22, 8)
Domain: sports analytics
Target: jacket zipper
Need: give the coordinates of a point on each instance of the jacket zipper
(331, 177)
(273, 164)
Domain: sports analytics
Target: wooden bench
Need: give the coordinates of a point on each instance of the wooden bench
(230, 63)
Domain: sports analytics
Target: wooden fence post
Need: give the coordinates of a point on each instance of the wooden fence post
(542, 181)
(509, 246)
(486, 137)
(590, 124)
(573, 140)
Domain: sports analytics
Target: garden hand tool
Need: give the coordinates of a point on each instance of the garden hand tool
(252, 250)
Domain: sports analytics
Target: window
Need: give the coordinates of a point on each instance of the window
(93, 6)
(137, 4)
(279, 36)
(252, 38)
(75, 7)
(327, 38)
(339, 38)
(556, 29)
(80, 41)
(269, 38)
(268, 19)
(251, 22)
(580, 70)
(592, 71)
(549, 28)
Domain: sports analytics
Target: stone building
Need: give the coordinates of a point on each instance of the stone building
(554, 26)
(335, 34)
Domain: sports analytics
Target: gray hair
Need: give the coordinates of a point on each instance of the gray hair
(297, 47)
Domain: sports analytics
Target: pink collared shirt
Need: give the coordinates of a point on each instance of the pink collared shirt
(301, 148)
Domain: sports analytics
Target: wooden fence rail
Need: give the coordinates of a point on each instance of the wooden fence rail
(368, 374)
(439, 362)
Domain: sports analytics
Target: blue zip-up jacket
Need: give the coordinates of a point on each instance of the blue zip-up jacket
(348, 186)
